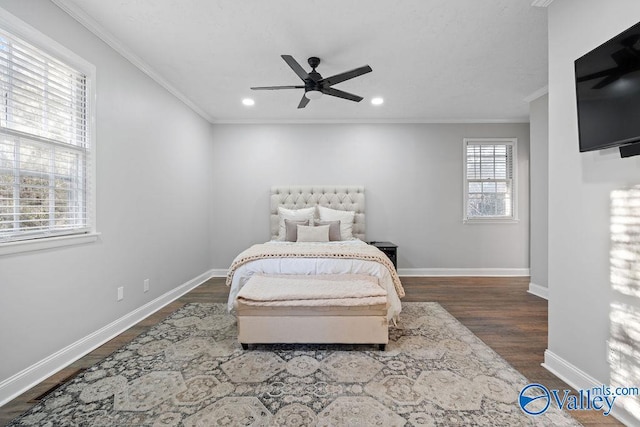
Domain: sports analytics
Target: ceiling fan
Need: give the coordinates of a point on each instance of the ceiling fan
(314, 85)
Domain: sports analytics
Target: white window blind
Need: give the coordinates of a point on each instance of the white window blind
(489, 179)
(44, 144)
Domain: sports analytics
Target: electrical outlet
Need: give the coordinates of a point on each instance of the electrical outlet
(120, 293)
(146, 285)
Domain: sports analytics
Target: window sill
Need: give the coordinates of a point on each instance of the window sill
(47, 243)
(490, 221)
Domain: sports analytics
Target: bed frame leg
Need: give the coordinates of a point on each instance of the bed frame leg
(245, 346)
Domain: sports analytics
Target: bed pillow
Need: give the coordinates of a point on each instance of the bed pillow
(291, 229)
(346, 219)
(294, 215)
(334, 229)
(313, 234)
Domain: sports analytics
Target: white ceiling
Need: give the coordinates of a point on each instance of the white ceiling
(432, 60)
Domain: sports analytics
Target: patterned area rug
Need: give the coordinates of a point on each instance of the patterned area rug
(189, 370)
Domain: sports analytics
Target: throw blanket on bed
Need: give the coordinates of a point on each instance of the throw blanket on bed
(301, 250)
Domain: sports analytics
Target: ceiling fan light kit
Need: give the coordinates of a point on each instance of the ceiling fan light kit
(314, 85)
(313, 94)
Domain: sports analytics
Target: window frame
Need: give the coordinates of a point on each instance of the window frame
(513, 218)
(24, 31)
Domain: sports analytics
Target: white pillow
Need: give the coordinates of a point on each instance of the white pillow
(293, 215)
(313, 234)
(346, 219)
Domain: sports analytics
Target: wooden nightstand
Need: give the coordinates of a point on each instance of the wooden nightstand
(389, 249)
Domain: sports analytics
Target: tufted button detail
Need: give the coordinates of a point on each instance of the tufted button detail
(338, 197)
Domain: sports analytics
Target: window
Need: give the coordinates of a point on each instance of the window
(490, 171)
(45, 138)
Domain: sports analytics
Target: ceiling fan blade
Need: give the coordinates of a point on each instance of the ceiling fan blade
(297, 68)
(341, 94)
(303, 102)
(276, 87)
(597, 75)
(626, 58)
(328, 81)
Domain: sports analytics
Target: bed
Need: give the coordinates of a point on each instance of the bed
(348, 263)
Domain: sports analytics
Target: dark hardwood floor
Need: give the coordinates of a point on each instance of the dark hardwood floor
(498, 310)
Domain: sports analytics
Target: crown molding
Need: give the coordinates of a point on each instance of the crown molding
(367, 121)
(541, 3)
(90, 24)
(537, 94)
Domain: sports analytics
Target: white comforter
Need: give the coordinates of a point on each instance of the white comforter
(317, 266)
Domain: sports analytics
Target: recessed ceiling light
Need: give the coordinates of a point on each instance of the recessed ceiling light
(377, 101)
(248, 102)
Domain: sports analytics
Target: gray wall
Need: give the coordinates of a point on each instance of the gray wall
(153, 187)
(200, 195)
(412, 174)
(539, 197)
(581, 300)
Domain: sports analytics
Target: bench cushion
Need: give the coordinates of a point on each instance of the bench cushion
(320, 290)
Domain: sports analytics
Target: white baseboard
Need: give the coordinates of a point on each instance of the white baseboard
(539, 291)
(219, 272)
(580, 380)
(36, 373)
(480, 272)
(568, 373)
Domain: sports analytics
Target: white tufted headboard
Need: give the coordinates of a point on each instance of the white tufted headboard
(344, 198)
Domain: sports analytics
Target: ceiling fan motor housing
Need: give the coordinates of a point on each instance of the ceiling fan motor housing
(314, 61)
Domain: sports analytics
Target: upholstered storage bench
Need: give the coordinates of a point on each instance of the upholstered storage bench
(340, 309)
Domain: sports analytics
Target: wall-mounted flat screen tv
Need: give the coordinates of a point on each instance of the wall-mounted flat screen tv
(608, 93)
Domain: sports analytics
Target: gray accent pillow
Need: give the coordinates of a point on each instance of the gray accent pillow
(334, 230)
(291, 229)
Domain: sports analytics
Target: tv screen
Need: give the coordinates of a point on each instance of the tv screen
(608, 93)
